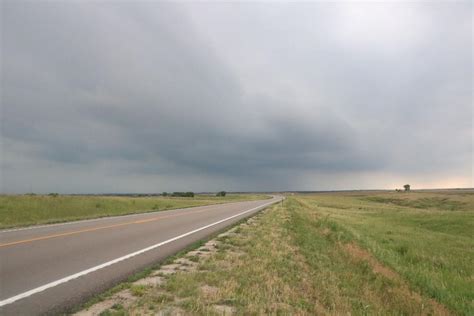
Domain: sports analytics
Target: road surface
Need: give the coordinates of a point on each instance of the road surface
(49, 269)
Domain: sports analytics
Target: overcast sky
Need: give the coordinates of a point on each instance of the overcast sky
(150, 97)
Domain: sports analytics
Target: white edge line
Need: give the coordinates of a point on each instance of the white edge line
(9, 230)
(109, 263)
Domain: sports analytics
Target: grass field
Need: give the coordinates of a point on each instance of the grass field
(364, 254)
(426, 238)
(23, 210)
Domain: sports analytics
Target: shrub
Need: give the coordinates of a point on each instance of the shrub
(183, 194)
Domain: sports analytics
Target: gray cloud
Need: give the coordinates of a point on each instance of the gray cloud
(101, 97)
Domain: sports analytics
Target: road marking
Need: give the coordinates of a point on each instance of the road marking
(109, 263)
(53, 225)
(144, 212)
(86, 230)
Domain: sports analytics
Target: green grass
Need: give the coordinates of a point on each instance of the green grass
(339, 254)
(24, 210)
(116, 310)
(426, 237)
(138, 290)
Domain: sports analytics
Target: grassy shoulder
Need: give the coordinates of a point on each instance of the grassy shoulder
(329, 254)
(24, 210)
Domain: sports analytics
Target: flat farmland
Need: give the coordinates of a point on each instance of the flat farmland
(26, 210)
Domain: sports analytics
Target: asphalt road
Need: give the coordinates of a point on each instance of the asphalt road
(51, 268)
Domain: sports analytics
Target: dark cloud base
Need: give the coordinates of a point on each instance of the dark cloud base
(144, 97)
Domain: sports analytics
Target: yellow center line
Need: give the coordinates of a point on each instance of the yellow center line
(75, 232)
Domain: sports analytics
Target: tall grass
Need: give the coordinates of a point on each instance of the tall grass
(426, 237)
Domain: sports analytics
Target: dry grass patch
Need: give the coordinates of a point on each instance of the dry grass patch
(360, 254)
(402, 289)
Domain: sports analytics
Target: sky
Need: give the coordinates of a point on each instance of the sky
(104, 96)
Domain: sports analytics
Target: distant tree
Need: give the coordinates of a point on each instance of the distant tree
(183, 194)
(164, 193)
(407, 187)
(221, 193)
(53, 194)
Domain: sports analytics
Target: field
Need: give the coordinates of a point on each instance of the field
(24, 210)
(335, 253)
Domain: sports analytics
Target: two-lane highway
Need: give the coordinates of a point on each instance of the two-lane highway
(50, 268)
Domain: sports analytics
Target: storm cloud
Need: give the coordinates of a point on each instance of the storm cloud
(148, 97)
